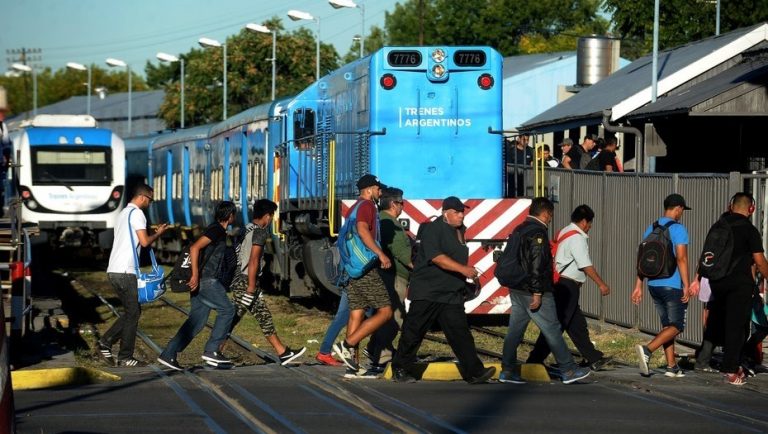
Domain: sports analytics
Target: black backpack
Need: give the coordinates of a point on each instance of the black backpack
(182, 272)
(224, 254)
(716, 260)
(594, 162)
(509, 268)
(655, 258)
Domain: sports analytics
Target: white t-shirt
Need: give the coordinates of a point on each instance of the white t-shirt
(121, 258)
(573, 248)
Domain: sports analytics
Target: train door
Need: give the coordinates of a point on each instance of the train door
(225, 185)
(243, 166)
(207, 193)
(185, 184)
(169, 190)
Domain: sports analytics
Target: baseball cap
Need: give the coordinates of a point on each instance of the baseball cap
(369, 180)
(453, 202)
(674, 200)
(566, 142)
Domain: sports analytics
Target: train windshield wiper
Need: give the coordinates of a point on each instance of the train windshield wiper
(49, 176)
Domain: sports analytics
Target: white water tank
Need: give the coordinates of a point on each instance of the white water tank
(596, 58)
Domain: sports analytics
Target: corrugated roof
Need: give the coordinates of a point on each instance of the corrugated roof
(630, 87)
(145, 104)
(515, 65)
(751, 73)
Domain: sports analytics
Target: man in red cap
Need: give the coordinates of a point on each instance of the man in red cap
(367, 291)
(436, 292)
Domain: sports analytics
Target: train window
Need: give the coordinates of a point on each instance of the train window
(303, 128)
(62, 165)
(404, 58)
(469, 58)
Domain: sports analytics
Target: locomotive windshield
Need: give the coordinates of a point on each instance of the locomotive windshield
(75, 165)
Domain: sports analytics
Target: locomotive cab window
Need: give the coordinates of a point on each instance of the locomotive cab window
(304, 128)
(76, 165)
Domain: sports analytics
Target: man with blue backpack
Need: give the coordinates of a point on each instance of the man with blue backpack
(367, 289)
(663, 259)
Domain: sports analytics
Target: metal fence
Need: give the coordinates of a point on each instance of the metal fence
(625, 204)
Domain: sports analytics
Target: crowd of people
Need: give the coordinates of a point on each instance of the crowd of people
(435, 269)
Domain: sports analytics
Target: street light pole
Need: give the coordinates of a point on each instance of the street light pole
(164, 57)
(298, 16)
(119, 63)
(339, 4)
(207, 42)
(27, 68)
(81, 67)
(258, 28)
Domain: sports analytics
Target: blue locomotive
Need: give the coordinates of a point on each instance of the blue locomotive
(420, 118)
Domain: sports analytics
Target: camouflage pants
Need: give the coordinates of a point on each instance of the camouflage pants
(258, 308)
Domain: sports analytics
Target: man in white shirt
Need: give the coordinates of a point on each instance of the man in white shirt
(574, 265)
(121, 272)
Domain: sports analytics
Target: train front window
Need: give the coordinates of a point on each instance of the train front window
(76, 165)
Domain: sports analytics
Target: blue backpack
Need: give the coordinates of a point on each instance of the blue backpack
(355, 259)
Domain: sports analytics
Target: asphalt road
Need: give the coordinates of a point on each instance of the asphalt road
(317, 399)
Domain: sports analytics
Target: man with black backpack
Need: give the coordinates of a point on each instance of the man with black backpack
(732, 282)
(208, 291)
(531, 294)
(663, 260)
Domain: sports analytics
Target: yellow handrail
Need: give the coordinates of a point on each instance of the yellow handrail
(332, 187)
(276, 196)
(538, 170)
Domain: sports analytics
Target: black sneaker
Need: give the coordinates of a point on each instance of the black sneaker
(106, 352)
(347, 355)
(216, 358)
(130, 363)
(483, 377)
(601, 363)
(400, 375)
(290, 355)
(171, 363)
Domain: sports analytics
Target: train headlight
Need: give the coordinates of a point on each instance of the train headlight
(112, 204)
(438, 71)
(438, 55)
(31, 204)
(116, 194)
(388, 81)
(485, 81)
(25, 194)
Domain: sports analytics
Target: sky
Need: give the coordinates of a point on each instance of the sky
(90, 31)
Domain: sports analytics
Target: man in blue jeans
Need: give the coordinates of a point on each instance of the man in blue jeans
(670, 295)
(533, 300)
(207, 293)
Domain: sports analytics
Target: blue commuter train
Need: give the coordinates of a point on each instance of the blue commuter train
(420, 118)
(72, 179)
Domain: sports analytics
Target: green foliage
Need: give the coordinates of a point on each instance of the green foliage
(64, 83)
(503, 24)
(249, 74)
(680, 21)
(374, 40)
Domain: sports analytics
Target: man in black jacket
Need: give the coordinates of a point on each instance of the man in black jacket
(533, 299)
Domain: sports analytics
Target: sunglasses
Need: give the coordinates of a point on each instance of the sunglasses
(150, 198)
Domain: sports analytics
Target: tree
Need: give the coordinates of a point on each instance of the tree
(374, 40)
(680, 21)
(62, 84)
(249, 75)
(501, 24)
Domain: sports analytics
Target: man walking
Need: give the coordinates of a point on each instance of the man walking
(436, 293)
(367, 291)
(574, 264)
(207, 292)
(532, 299)
(670, 295)
(121, 272)
(731, 304)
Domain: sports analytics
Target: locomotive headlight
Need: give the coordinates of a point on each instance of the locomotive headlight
(438, 55)
(438, 71)
(112, 204)
(31, 204)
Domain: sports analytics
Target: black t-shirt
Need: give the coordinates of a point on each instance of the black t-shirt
(430, 282)
(216, 234)
(746, 241)
(605, 159)
(579, 157)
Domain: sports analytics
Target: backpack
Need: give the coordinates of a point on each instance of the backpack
(716, 260)
(355, 258)
(594, 163)
(182, 272)
(655, 258)
(553, 244)
(509, 268)
(224, 252)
